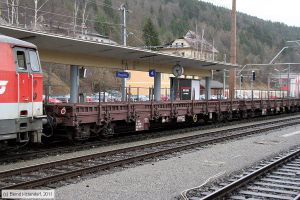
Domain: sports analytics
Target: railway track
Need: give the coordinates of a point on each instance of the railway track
(44, 174)
(61, 148)
(278, 179)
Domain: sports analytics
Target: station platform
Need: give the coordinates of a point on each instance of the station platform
(69, 50)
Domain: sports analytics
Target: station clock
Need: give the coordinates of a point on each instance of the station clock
(177, 70)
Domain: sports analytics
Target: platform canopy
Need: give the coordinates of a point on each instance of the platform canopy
(75, 51)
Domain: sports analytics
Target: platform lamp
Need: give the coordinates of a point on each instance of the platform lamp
(252, 81)
(241, 82)
(82, 72)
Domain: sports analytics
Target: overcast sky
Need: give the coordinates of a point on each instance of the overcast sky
(287, 11)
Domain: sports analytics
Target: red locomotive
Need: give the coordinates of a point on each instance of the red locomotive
(21, 88)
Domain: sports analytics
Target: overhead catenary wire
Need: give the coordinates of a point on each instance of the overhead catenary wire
(78, 18)
(111, 24)
(103, 4)
(63, 15)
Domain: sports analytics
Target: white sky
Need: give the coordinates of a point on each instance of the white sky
(287, 11)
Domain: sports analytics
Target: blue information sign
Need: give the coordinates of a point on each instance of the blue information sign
(152, 73)
(122, 74)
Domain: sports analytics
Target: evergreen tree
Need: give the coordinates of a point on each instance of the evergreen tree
(108, 8)
(150, 35)
(101, 25)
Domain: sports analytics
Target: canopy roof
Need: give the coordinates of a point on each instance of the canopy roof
(79, 46)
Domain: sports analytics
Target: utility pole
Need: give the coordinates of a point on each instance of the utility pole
(124, 28)
(289, 82)
(232, 72)
(224, 78)
(213, 51)
(202, 38)
(124, 11)
(224, 83)
(35, 13)
(197, 41)
(269, 86)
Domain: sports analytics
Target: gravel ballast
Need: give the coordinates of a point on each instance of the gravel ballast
(166, 179)
(119, 146)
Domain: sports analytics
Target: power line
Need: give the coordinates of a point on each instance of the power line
(103, 4)
(80, 18)
(67, 16)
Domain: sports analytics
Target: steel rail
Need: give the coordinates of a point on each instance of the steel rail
(86, 170)
(52, 150)
(227, 190)
(138, 147)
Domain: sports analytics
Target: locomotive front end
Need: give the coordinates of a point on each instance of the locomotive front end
(21, 88)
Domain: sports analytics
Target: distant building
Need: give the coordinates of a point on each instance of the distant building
(216, 87)
(95, 37)
(81, 34)
(188, 46)
(192, 46)
(281, 83)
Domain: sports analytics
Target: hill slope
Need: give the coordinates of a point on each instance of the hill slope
(258, 40)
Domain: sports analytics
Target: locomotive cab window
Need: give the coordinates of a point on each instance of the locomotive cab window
(34, 61)
(21, 60)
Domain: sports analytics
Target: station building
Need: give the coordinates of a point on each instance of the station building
(190, 46)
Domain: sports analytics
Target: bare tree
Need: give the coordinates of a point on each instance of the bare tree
(37, 8)
(13, 11)
(82, 6)
(8, 11)
(17, 11)
(84, 16)
(75, 13)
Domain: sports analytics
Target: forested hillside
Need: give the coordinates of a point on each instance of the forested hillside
(258, 40)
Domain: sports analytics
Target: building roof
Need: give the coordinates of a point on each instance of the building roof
(195, 41)
(60, 46)
(16, 42)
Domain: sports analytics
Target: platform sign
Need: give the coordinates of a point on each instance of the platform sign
(152, 73)
(120, 74)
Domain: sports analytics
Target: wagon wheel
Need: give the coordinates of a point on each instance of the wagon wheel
(106, 132)
(244, 114)
(228, 117)
(195, 118)
(46, 140)
(252, 114)
(221, 117)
